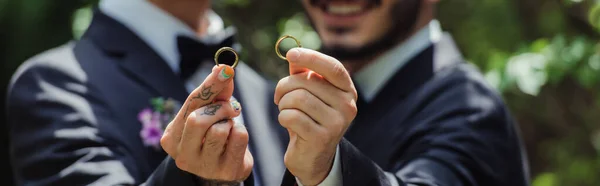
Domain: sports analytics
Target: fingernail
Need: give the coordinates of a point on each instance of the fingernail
(225, 73)
(196, 114)
(236, 106)
(293, 54)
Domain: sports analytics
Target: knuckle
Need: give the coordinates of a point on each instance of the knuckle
(181, 163)
(294, 115)
(287, 159)
(354, 93)
(295, 99)
(289, 100)
(309, 100)
(190, 119)
(300, 96)
(351, 108)
(241, 135)
(281, 105)
(197, 124)
(304, 94)
(286, 117)
(312, 58)
(211, 143)
(339, 70)
(283, 81)
(164, 142)
(281, 85)
(220, 133)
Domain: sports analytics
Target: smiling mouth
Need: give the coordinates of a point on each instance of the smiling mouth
(345, 7)
(344, 10)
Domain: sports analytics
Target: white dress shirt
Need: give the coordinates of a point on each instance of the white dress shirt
(374, 76)
(160, 29)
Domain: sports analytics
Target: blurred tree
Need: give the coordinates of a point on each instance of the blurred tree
(542, 55)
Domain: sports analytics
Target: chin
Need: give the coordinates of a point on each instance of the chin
(360, 29)
(349, 24)
(347, 39)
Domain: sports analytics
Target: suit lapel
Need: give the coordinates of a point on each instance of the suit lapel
(155, 74)
(413, 75)
(136, 58)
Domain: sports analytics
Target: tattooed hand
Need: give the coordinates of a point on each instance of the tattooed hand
(204, 140)
(317, 102)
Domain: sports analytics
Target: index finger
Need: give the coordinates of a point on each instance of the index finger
(330, 68)
(217, 86)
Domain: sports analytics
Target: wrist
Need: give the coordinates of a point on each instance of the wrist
(321, 172)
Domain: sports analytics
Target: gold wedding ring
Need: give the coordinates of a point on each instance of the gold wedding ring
(221, 50)
(279, 42)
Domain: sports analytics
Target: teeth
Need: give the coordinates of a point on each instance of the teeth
(344, 9)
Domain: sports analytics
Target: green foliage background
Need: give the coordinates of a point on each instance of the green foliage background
(543, 55)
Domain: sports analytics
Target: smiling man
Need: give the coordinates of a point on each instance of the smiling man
(425, 116)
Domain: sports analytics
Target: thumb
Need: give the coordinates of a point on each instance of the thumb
(291, 55)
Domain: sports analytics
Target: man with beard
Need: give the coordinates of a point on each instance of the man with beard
(425, 116)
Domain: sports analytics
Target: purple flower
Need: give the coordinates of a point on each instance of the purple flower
(145, 115)
(154, 120)
(151, 136)
(151, 127)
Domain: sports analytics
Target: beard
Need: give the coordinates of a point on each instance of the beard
(403, 17)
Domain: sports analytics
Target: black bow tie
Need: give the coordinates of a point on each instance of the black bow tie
(193, 53)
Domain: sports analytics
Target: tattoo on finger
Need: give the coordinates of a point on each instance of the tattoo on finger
(204, 94)
(211, 110)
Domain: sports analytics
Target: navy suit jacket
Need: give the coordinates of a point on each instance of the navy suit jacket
(436, 122)
(73, 114)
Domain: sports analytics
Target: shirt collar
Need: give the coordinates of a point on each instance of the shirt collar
(156, 27)
(374, 76)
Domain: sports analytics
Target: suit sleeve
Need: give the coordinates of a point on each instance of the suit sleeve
(461, 137)
(56, 134)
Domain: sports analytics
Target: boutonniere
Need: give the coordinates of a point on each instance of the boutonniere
(155, 119)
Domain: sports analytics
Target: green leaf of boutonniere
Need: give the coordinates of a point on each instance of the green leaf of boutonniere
(157, 103)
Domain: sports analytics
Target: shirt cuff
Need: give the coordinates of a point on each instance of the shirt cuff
(334, 177)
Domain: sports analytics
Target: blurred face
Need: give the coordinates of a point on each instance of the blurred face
(355, 30)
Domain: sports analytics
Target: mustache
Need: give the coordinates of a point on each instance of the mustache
(322, 3)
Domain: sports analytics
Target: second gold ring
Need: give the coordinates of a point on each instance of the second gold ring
(279, 43)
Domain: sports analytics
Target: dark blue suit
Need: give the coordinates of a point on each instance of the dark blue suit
(436, 122)
(73, 113)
